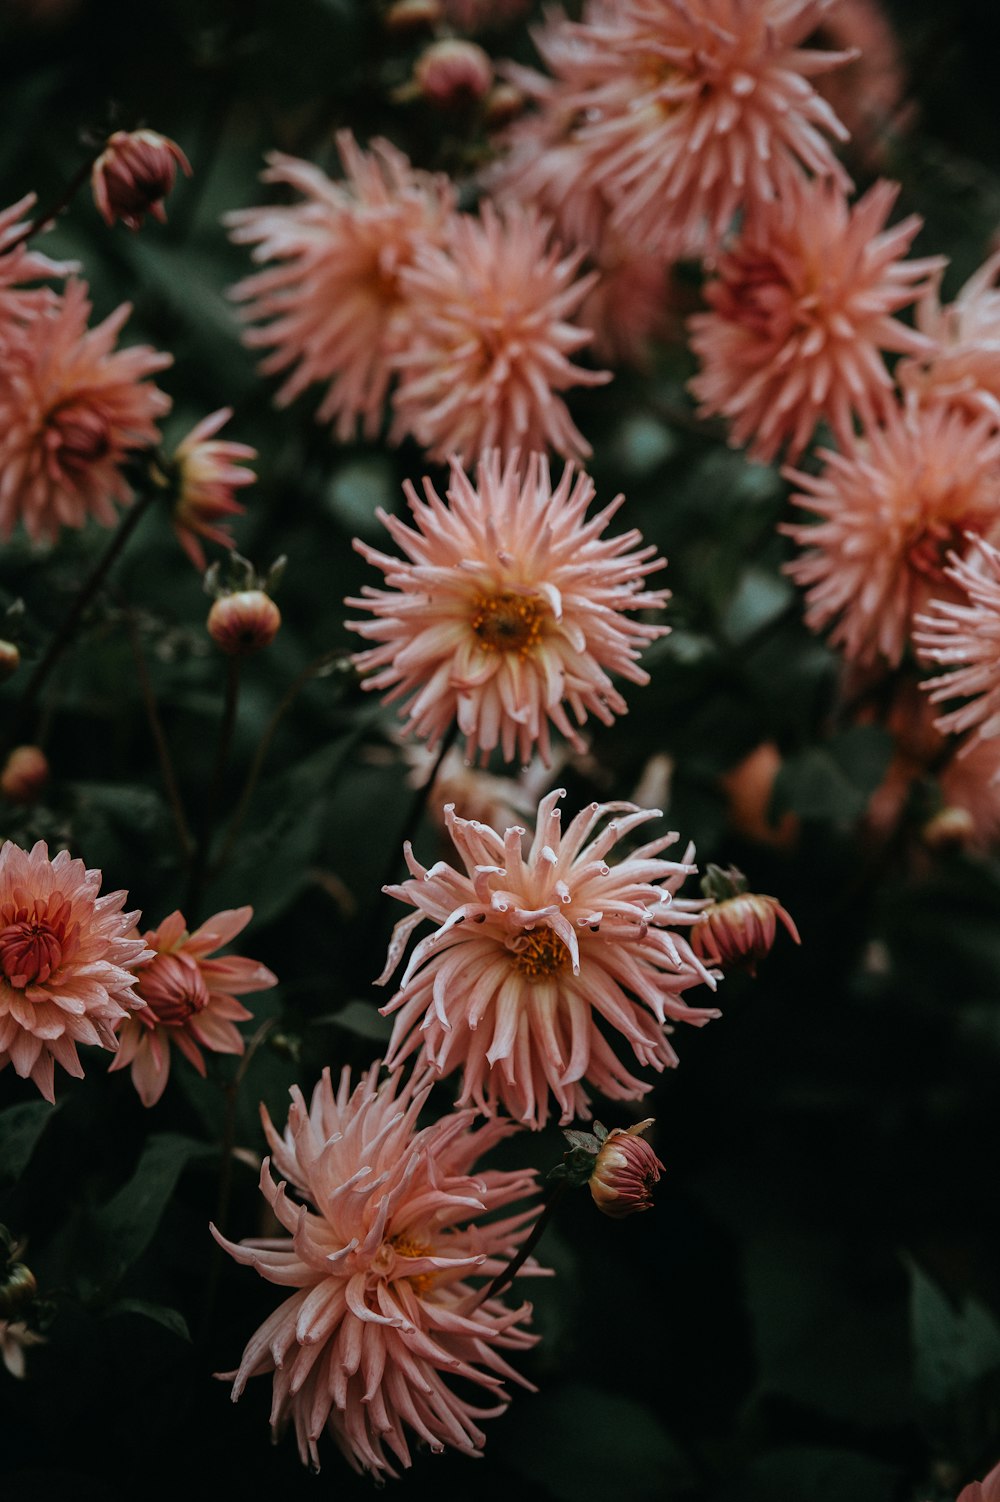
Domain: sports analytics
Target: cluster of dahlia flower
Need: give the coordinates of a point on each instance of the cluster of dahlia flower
(378, 287)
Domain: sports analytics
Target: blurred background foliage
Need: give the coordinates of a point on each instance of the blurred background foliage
(811, 1309)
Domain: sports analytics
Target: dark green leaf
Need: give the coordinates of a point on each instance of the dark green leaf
(170, 1319)
(953, 1345)
(20, 1128)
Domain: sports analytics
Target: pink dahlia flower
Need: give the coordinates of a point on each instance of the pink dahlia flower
(530, 950)
(891, 508)
(962, 364)
(206, 472)
(18, 265)
(490, 339)
(73, 409)
(382, 1240)
(801, 310)
(687, 114)
(67, 963)
(965, 637)
(190, 997)
(508, 608)
(332, 306)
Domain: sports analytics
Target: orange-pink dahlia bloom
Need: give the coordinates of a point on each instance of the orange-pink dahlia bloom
(491, 334)
(533, 949)
(18, 265)
(331, 307)
(965, 637)
(382, 1240)
(73, 409)
(509, 609)
(684, 115)
(891, 509)
(68, 959)
(800, 311)
(190, 995)
(962, 363)
(206, 472)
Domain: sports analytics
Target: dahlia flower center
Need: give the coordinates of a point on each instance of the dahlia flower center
(508, 622)
(174, 989)
(79, 434)
(540, 954)
(390, 1261)
(928, 553)
(29, 952)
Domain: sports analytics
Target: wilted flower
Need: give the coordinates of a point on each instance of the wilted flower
(962, 364)
(133, 175)
(190, 997)
(625, 1170)
(333, 304)
(73, 409)
(509, 608)
(15, 1339)
(530, 949)
(683, 115)
(801, 310)
(67, 963)
(243, 622)
(381, 1242)
(205, 471)
(966, 638)
(453, 73)
(25, 774)
(737, 927)
(892, 506)
(490, 339)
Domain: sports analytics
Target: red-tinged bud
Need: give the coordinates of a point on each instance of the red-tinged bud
(10, 660)
(413, 15)
(133, 175)
(951, 828)
(25, 774)
(453, 74)
(737, 927)
(243, 623)
(625, 1170)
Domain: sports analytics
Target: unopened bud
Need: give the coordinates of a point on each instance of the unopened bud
(10, 660)
(243, 622)
(413, 15)
(951, 828)
(453, 74)
(25, 773)
(133, 175)
(625, 1170)
(737, 927)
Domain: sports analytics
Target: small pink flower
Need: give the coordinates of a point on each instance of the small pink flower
(891, 509)
(206, 472)
(381, 1240)
(684, 115)
(801, 311)
(190, 998)
(67, 963)
(133, 175)
(509, 609)
(73, 409)
(625, 1170)
(965, 637)
(490, 338)
(530, 949)
(332, 306)
(962, 364)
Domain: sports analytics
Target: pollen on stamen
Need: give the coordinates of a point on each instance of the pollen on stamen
(543, 954)
(508, 622)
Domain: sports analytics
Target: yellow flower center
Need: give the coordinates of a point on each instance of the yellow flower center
(540, 954)
(405, 1246)
(508, 622)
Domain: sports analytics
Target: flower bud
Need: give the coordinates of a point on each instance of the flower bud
(737, 927)
(453, 74)
(134, 173)
(10, 660)
(624, 1172)
(25, 773)
(243, 622)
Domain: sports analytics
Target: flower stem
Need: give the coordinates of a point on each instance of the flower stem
(419, 801)
(51, 214)
(199, 861)
(504, 1278)
(67, 630)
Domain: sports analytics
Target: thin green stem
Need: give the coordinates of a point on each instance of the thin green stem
(67, 630)
(507, 1275)
(51, 214)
